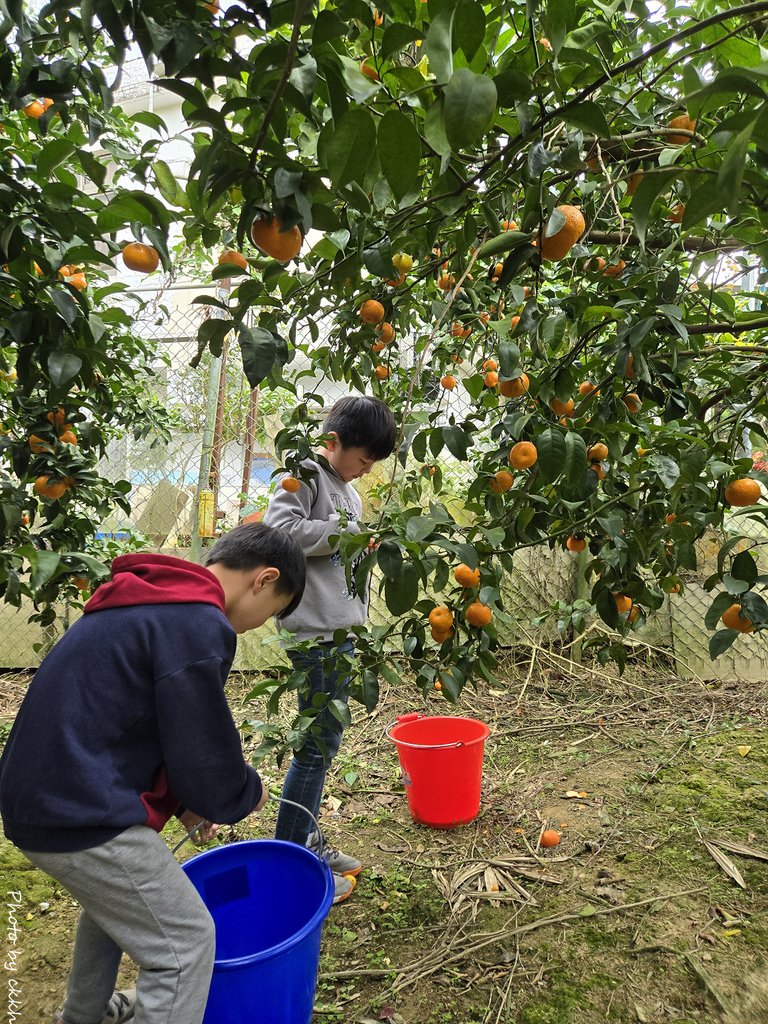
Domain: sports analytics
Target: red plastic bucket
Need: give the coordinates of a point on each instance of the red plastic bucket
(441, 759)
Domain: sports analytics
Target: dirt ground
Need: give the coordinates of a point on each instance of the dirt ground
(643, 913)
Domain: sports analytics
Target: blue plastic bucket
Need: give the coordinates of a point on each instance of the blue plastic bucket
(268, 900)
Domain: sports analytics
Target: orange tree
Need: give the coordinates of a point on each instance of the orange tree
(552, 211)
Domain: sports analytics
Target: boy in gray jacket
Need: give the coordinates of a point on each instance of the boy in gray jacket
(363, 432)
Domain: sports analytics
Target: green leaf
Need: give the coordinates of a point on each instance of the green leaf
(666, 469)
(402, 594)
(588, 116)
(606, 607)
(390, 557)
(340, 711)
(397, 37)
(169, 187)
(457, 441)
(122, 210)
(715, 611)
(550, 445)
(259, 349)
(744, 567)
(418, 528)
(470, 27)
(721, 641)
(434, 131)
(349, 146)
(575, 458)
(65, 304)
(439, 45)
(399, 149)
(731, 171)
(44, 564)
(63, 367)
(649, 188)
(470, 105)
(53, 154)
(503, 243)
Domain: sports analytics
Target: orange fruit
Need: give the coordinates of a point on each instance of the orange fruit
(629, 367)
(46, 487)
(39, 444)
(67, 269)
(396, 282)
(441, 635)
(546, 43)
(598, 470)
(588, 388)
(562, 408)
(676, 216)
(514, 388)
(441, 618)
(382, 372)
(232, 256)
(523, 455)
(681, 121)
(368, 71)
(143, 258)
(615, 269)
(25, 519)
(670, 517)
(378, 19)
(81, 582)
(456, 359)
(734, 618)
(490, 364)
(549, 837)
(598, 263)
(509, 225)
(37, 108)
(213, 7)
(491, 379)
(385, 331)
(465, 576)
(68, 437)
(484, 317)
(371, 312)
(78, 281)
(598, 452)
(478, 614)
(438, 685)
(742, 492)
(445, 282)
(623, 603)
(290, 484)
(575, 543)
(633, 181)
(57, 418)
(448, 382)
(501, 482)
(268, 235)
(402, 262)
(557, 246)
(378, 347)
(513, 322)
(632, 402)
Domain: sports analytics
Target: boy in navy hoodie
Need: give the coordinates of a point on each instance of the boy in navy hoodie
(124, 724)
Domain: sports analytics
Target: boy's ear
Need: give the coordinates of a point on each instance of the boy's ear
(270, 574)
(333, 442)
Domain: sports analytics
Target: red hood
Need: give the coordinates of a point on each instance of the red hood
(156, 579)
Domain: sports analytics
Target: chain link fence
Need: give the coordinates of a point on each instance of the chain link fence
(221, 452)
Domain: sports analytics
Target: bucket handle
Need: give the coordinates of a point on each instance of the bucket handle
(278, 799)
(418, 746)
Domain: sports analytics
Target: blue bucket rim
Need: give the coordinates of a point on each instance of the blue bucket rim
(317, 918)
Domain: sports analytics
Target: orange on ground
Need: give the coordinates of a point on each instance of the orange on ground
(523, 455)
(290, 484)
(68, 437)
(267, 234)
(743, 492)
(140, 257)
(385, 331)
(39, 444)
(562, 408)
(681, 121)
(382, 372)
(232, 256)
(46, 487)
(560, 244)
(478, 614)
(734, 618)
(371, 312)
(441, 618)
(491, 379)
(501, 482)
(615, 269)
(575, 543)
(549, 837)
(368, 71)
(490, 364)
(632, 402)
(448, 382)
(465, 576)
(514, 388)
(623, 603)
(598, 452)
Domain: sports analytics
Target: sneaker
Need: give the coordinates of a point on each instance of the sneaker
(344, 887)
(339, 863)
(122, 1007)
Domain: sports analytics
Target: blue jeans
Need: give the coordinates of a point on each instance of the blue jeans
(306, 775)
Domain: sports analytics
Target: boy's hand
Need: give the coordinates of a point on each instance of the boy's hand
(204, 834)
(262, 799)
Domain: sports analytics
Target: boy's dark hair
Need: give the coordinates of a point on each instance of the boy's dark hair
(363, 422)
(252, 545)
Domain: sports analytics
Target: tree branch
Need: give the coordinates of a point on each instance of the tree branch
(690, 243)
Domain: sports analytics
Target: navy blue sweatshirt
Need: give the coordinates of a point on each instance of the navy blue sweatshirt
(126, 718)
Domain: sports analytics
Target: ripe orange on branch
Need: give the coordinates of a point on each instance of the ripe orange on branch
(38, 445)
(742, 492)
(687, 124)
(37, 108)
(441, 618)
(623, 603)
(576, 544)
(465, 576)
(232, 256)
(557, 246)
(491, 379)
(633, 402)
(523, 455)
(615, 269)
(478, 614)
(514, 388)
(371, 312)
(47, 487)
(501, 482)
(562, 408)
(448, 382)
(290, 484)
(382, 372)
(598, 452)
(141, 258)
(268, 235)
(734, 618)
(385, 331)
(57, 418)
(445, 282)
(368, 71)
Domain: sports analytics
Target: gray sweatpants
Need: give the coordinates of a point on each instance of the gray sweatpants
(135, 898)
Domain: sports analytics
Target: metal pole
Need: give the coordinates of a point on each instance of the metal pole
(250, 437)
(218, 429)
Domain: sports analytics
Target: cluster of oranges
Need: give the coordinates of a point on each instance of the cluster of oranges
(46, 485)
(372, 313)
